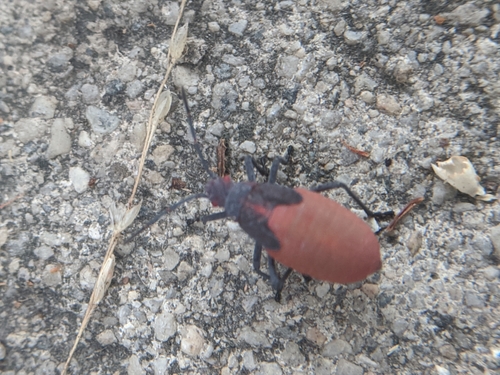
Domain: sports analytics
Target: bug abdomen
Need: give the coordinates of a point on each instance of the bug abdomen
(324, 240)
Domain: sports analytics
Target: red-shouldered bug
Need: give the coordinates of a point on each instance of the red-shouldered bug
(299, 228)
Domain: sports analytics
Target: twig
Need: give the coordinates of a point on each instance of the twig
(403, 213)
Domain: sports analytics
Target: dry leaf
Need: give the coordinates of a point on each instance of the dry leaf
(164, 103)
(179, 42)
(121, 219)
(129, 217)
(104, 279)
(459, 172)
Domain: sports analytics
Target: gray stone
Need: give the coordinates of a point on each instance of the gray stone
(347, 368)
(60, 141)
(90, 94)
(448, 351)
(127, 73)
(330, 119)
(388, 104)
(134, 366)
(492, 273)
(170, 11)
(336, 347)
(224, 97)
(233, 60)
(238, 28)
(473, 299)
(383, 37)
(4, 107)
(106, 337)
(43, 252)
(185, 77)
(248, 361)
(442, 192)
(160, 366)
(184, 271)
(364, 82)
(84, 139)
(170, 259)
(87, 277)
(162, 153)
(267, 368)
(248, 146)
(287, 66)
(29, 129)
(192, 340)
(292, 355)
(340, 28)
(58, 62)
(52, 275)
(253, 338)
(399, 326)
(354, 37)
(134, 89)
(323, 366)
(44, 107)
(495, 240)
(467, 14)
(483, 244)
(100, 120)
(79, 178)
(3, 352)
(213, 27)
(164, 326)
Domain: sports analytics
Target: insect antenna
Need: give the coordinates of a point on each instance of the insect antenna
(196, 144)
(163, 212)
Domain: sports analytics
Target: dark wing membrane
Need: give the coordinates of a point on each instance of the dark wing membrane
(270, 195)
(255, 224)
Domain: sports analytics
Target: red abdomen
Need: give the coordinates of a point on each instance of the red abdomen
(324, 240)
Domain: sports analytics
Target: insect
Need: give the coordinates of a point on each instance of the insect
(298, 228)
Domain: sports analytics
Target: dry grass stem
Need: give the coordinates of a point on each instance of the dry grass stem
(121, 218)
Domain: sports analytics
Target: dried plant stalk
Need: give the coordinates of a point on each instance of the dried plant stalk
(120, 220)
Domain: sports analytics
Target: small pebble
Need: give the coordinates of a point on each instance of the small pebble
(44, 107)
(336, 347)
(253, 338)
(345, 367)
(79, 178)
(238, 28)
(52, 275)
(60, 141)
(192, 340)
(164, 326)
(388, 104)
(134, 89)
(106, 337)
(248, 146)
(101, 121)
(84, 139)
(90, 94)
(269, 369)
(354, 37)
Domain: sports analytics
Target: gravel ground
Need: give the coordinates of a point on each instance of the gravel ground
(411, 82)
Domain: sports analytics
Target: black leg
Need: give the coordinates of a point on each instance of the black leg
(249, 168)
(257, 253)
(213, 217)
(336, 185)
(276, 163)
(277, 282)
